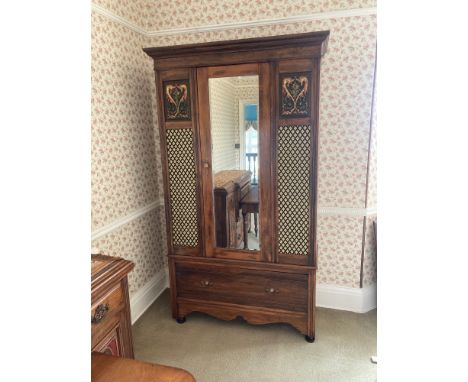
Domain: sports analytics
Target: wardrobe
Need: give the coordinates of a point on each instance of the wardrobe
(270, 276)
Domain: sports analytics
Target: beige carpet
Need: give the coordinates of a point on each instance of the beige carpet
(234, 351)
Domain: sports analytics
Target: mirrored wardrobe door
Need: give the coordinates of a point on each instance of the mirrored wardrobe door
(235, 163)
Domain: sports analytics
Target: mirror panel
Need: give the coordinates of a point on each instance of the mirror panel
(235, 160)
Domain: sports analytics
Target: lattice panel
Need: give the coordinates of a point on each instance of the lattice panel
(182, 187)
(293, 189)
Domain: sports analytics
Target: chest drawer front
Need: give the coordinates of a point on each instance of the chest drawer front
(104, 311)
(243, 286)
(112, 343)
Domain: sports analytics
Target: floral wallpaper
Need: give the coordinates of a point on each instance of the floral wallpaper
(372, 181)
(142, 241)
(155, 15)
(126, 168)
(369, 275)
(135, 11)
(171, 14)
(125, 155)
(370, 249)
(339, 250)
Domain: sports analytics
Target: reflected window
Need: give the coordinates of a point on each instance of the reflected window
(251, 140)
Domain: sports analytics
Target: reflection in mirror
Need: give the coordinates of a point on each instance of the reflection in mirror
(235, 160)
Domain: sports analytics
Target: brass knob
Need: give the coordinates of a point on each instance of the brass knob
(271, 290)
(205, 283)
(100, 313)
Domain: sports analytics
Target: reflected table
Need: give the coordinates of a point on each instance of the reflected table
(249, 204)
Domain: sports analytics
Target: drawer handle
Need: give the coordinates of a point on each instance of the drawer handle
(100, 313)
(206, 283)
(271, 290)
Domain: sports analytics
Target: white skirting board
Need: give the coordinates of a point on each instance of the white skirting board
(147, 294)
(359, 300)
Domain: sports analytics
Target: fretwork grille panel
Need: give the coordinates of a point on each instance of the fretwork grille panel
(182, 187)
(293, 189)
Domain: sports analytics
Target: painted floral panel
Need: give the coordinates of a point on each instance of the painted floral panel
(295, 95)
(177, 100)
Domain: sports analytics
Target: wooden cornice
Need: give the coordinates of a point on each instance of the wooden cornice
(293, 46)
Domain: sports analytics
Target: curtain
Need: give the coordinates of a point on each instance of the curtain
(249, 124)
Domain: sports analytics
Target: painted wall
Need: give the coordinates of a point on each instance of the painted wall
(126, 163)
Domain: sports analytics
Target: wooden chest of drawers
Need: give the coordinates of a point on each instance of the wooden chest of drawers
(110, 306)
(230, 186)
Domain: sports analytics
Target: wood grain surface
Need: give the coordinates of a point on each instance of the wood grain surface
(106, 368)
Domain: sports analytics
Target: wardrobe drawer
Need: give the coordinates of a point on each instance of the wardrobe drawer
(242, 286)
